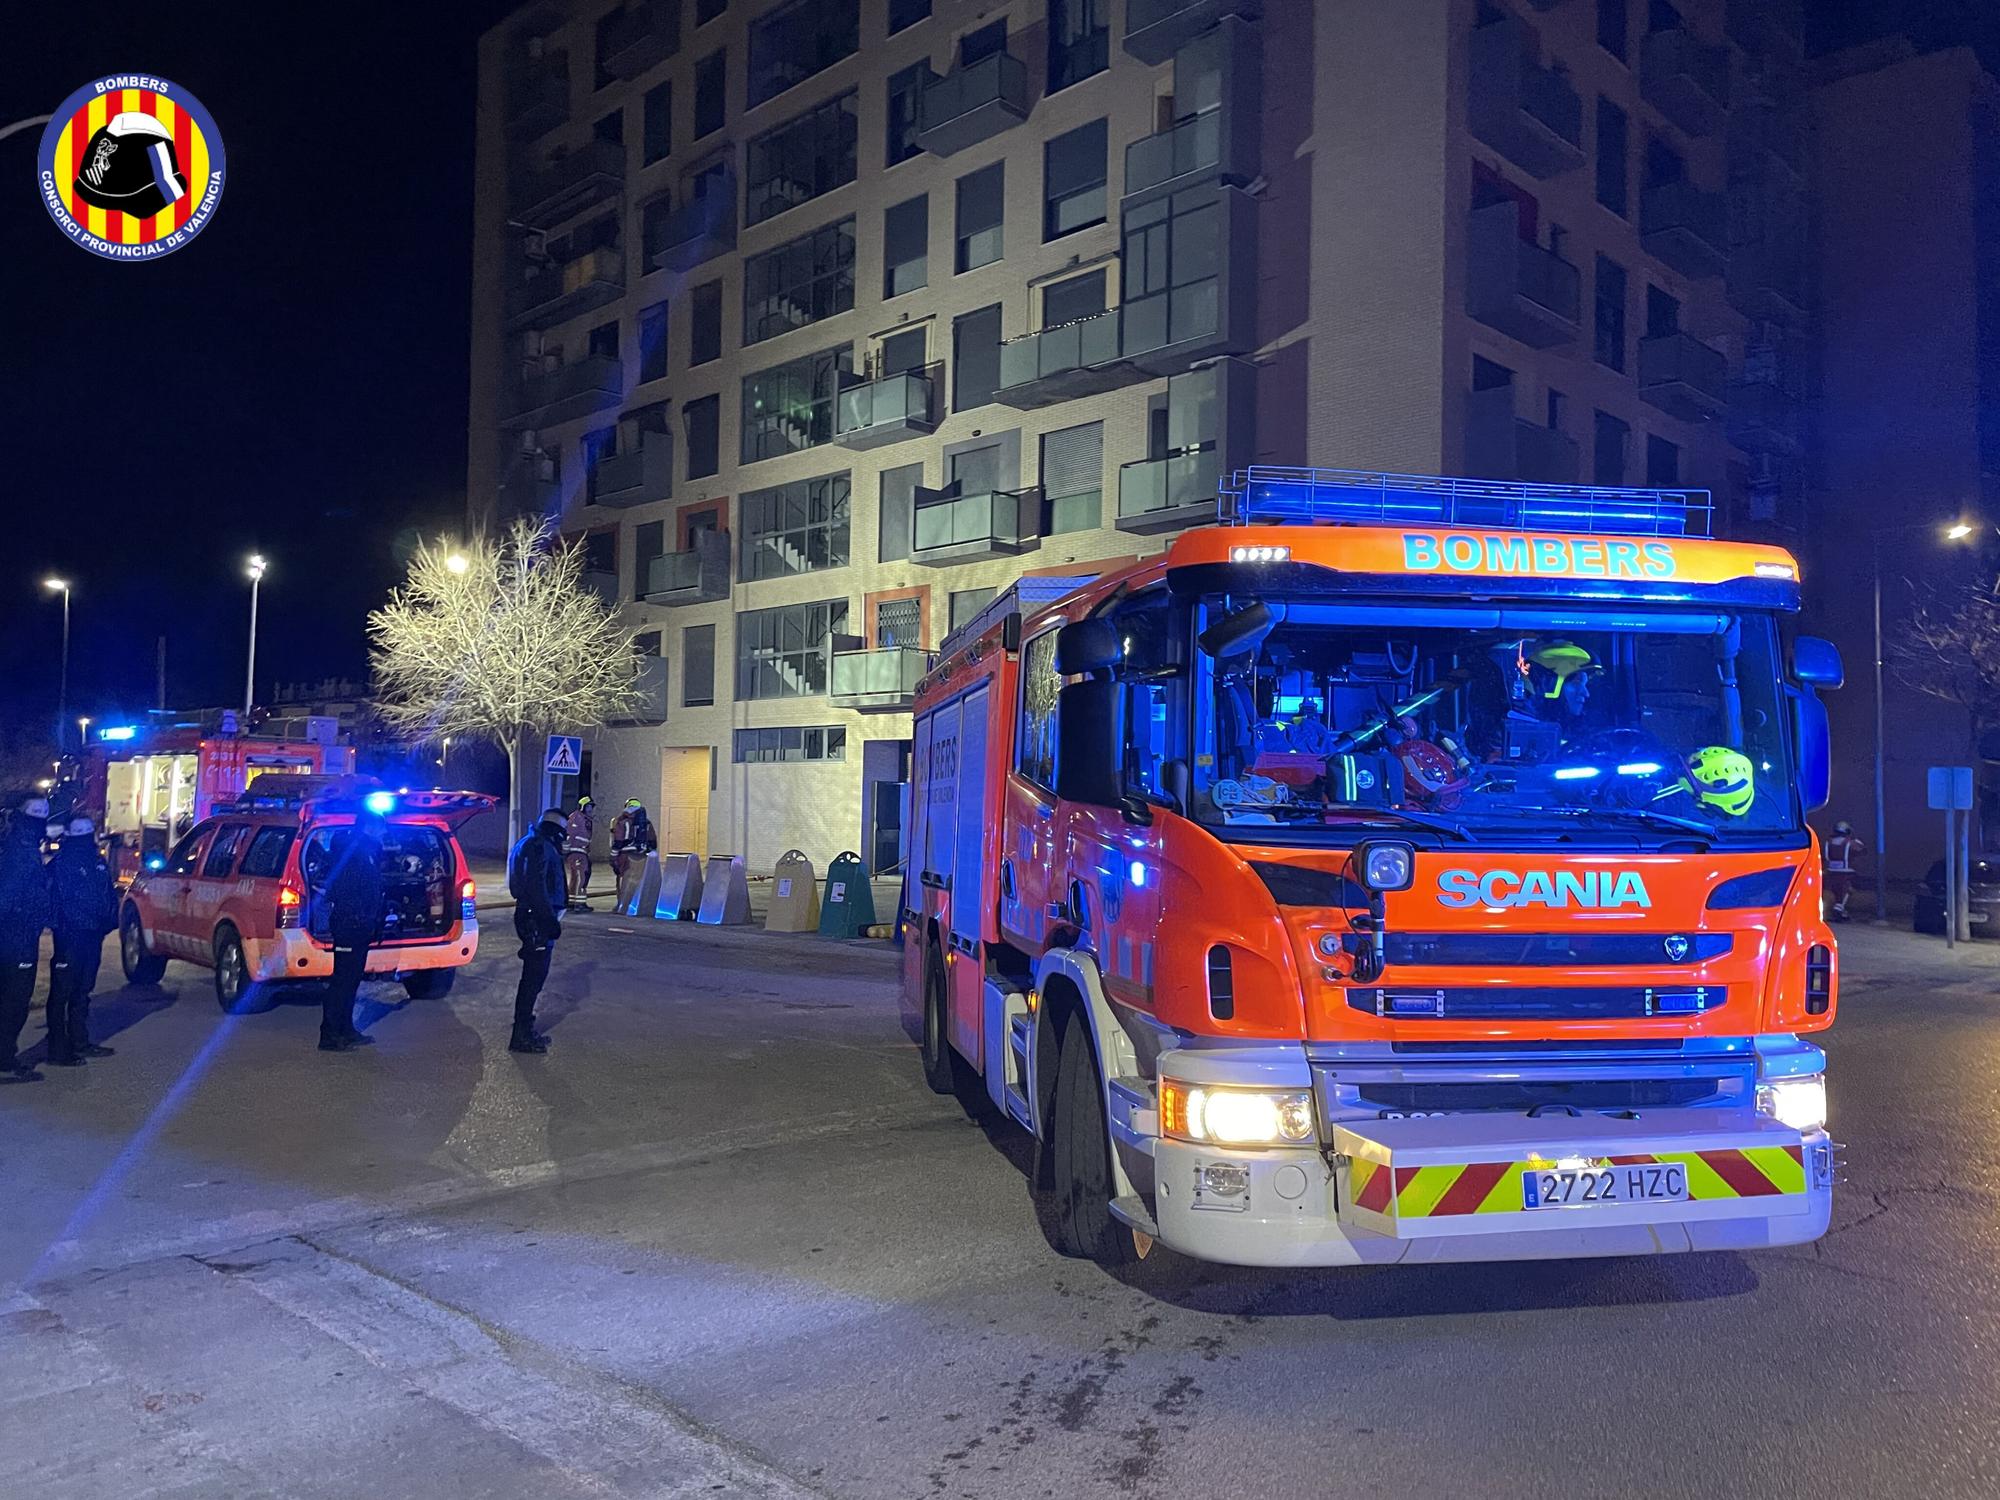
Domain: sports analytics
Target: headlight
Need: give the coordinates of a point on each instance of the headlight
(1797, 1102)
(1387, 866)
(1235, 1117)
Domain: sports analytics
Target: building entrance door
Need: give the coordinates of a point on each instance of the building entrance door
(684, 778)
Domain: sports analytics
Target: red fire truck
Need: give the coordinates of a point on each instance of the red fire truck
(1403, 870)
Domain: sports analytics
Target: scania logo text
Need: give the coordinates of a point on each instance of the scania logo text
(1584, 890)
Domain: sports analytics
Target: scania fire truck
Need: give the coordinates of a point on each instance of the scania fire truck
(1401, 869)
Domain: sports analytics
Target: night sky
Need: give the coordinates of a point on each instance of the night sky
(294, 381)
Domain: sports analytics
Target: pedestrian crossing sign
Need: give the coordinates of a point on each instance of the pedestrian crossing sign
(565, 755)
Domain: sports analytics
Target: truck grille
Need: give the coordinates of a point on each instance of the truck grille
(1536, 1002)
(1519, 1096)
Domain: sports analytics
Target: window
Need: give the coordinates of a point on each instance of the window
(1557, 408)
(902, 351)
(229, 842)
(707, 10)
(1608, 457)
(975, 358)
(1073, 300)
(1489, 376)
(1663, 163)
(795, 162)
(1610, 339)
(653, 342)
(703, 419)
(711, 91)
(1613, 151)
(603, 341)
(906, 233)
(1663, 462)
(799, 282)
(963, 607)
(1171, 266)
(896, 513)
(786, 652)
(268, 849)
(659, 121)
(978, 45)
(791, 42)
(1035, 744)
(906, 13)
(789, 408)
(1073, 477)
(1663, 313)
(187, 853)
(809, 742)
(899, 621)
(610, 128)
(1152, 705)
(799, 527)
(1612, 21)
(1073, 181)
(649, 541)
(697, 666)
(705, 323)
(597, 446)
(646, 643)
(1079, 41)
(980, 210)
(906, 92)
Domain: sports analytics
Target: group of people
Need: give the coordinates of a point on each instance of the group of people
(71, 893)
(632, 839)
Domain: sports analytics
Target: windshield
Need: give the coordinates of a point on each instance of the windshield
(1490, 723)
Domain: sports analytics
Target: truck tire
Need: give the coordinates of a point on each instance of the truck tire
(428, 984)
(232, 969)
(936, 1051)
(1084, 1224)
(140, 966)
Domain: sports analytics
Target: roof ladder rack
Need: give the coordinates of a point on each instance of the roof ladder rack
(1274, 496)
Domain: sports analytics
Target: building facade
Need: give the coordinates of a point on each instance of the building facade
(817, 322)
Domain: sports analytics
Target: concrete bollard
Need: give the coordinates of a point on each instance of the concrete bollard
(644, 885)
(680, 888)
(849, 908)
(725, 892)
(794, 895)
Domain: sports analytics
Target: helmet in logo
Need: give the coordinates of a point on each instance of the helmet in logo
(1677, 946)
(130, 164)
(1723, 779)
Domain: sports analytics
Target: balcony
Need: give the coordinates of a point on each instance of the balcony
(952, 528)
(1766, 281)
(874, 413)
(538, 97)
(973, 103)
(1167, 331)
(882, 681)
(699, 230)
(1763, 418)
(1685, 79)
(1166, 494)
(1156, 29)
(603, 583)
(569, 185)
(557, 292)
(1526, 292)
(1686, 227)
(649, 683)
(530, 488)
(1528, 113)
(639, 36)
(1682, 376)
(1062, 363)
(700, 575)
(1762, 27)
(640, 477)
(593, 384)
(1501, 445)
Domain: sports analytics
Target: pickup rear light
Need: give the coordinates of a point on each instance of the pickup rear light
(290, 903)
(468, 893)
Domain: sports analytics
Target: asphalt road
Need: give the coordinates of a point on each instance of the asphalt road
(722, 1241)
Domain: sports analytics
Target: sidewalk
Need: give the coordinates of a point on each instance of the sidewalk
(491, 876)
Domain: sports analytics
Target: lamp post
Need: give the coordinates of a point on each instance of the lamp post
(61, 586)
(255, 569)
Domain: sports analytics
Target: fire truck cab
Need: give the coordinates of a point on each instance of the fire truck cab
(1403, 870)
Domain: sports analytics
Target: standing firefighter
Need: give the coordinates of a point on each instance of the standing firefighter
(632, 839)
(535, 877)
(578, 831)
(354, 919)
(85, 903)
(24, 912)
(1841, 850)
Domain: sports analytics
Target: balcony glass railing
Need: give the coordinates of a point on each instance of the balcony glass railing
(886, 673)
(997, 78)
(1156, 485)
(894, 400)
(1682, 206)
(1194, 145)
(1682, 359)
(1054, 351)
(996, 519)
(673, 573)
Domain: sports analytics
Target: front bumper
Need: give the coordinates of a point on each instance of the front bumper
(292, 954)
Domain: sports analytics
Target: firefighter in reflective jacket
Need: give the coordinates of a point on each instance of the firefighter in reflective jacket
(1840, 850)
(85, 901)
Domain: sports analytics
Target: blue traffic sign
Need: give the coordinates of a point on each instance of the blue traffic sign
(565, 755)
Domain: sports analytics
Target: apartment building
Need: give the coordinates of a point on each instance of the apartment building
(819, 321)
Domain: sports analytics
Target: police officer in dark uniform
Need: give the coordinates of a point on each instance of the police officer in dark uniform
(535, 877)
(24, 912)
(353, 896)
(85, 900)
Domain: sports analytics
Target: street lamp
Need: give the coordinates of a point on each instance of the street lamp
(83, 731)
(456, 563)
(255, 568)
(61, 586)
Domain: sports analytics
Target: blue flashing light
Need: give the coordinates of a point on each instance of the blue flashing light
(118, 732)
(1138, 873)
(1640, 768)
(1575, 773)
(1277, 495)
(380, 803)
(156, 862)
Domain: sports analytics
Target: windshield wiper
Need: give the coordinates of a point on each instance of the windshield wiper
(1445, 826)
(1647, 815)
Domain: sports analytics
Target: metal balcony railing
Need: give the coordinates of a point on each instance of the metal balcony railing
(950, 528)
(887, 410)
(1194, 145)
(882, 679)
(1178, 490)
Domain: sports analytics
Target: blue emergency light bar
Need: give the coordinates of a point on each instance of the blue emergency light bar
(1270, 496)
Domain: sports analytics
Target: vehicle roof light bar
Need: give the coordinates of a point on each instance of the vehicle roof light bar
(1269, 495)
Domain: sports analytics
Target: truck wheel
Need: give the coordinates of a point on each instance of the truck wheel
(140, 966)
(936, 1051)
(1084, 1223)
(232, 969)
(428, 984)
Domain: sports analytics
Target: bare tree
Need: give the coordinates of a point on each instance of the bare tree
(499, 641)
(1949, 647)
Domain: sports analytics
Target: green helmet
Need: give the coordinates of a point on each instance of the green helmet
(1723, 778)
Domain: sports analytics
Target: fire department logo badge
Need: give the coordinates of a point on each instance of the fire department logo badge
(131, 166)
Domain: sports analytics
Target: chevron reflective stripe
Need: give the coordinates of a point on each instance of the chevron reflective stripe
(1491, 1187)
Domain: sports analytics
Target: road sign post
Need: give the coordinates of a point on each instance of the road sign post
(1950, 790)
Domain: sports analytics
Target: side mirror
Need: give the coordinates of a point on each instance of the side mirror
(1238, 632)
(1087, 741)
(1815, 742)
(1816, 663)
(1087, 646)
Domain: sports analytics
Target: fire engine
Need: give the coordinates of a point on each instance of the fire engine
(1400, 870)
